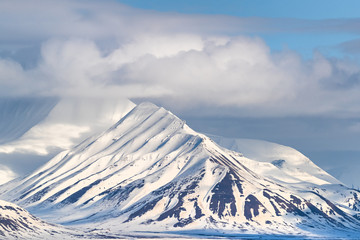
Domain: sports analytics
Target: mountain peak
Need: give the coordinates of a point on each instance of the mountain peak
(151, 170)
(145, 108)
(147, 105)
(143, 111)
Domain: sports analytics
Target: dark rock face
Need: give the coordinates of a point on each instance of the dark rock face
(278, 163)
(9, 224)
(144, 209)
(19, 219)
(37, 196)
(15, 221)
(295, 200)
(316, 211)
(223, 195)
(155, 171)
(175, 193)
(198, 211)
(77, 195)
(252, 207)
(176, 210)
(288, 206)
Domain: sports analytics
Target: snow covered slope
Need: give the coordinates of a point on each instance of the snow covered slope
(63, 125)
(150, 171)
(32, 128)
(17, 223)
(287, 164)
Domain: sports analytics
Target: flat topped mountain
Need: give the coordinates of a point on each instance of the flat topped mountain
(150, 171)
(285, 164)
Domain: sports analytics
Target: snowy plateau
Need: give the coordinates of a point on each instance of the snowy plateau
(152, 176)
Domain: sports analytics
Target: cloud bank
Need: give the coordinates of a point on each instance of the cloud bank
(183, 62)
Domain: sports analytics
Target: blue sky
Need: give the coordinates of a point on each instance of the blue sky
(305, 9)
(304, 43)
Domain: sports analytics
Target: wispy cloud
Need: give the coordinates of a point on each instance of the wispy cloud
(351, 47)
(6, 174)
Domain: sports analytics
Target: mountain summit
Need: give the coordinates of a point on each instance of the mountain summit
(150, 171)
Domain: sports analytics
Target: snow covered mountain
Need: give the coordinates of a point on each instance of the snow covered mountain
(150, 171)
(17, 223)
(286, 164)
(33, 128)
(57, 124)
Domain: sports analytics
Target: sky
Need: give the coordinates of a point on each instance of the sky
(282, 71)
(304, 43)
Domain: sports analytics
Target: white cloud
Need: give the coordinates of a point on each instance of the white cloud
(182, 61)
(67, 124)
(73, 64)
(6, 174)
(196, 63)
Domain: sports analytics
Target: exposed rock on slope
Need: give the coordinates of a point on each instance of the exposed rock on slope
(150, 171)
(17, 223)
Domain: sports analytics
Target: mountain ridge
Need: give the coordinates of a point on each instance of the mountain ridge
(151, 170)
(33, 130)
(294, 166)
